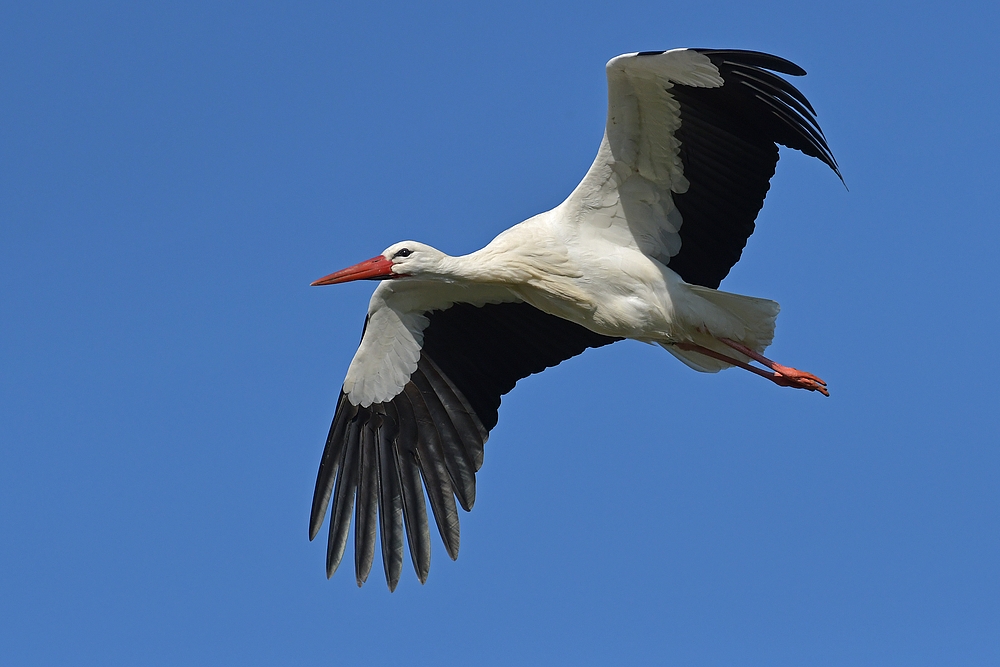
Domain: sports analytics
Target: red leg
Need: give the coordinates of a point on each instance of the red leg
(782, 376)
(791, 377)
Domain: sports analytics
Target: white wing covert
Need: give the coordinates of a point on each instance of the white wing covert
(394, 333)
(419, 401)
(688, 152)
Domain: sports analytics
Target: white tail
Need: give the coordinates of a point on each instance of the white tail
(756, 317)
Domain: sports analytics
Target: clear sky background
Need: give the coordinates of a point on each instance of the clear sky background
(172, 177)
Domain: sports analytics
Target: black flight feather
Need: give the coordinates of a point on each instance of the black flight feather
(728, 147)
(390, 516)
(430, 436)
(366, 505)
(347, 479)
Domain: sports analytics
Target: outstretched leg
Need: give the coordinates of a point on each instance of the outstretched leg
(793, 377)
(783, 376)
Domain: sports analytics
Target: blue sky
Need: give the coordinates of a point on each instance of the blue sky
(173, 177)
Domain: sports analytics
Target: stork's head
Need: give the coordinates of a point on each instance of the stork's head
(406, 259)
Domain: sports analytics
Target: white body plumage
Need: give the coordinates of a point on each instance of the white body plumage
(636, 251)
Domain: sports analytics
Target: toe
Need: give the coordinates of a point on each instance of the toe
(799, 375)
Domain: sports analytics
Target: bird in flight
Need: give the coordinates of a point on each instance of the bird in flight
(636, 251)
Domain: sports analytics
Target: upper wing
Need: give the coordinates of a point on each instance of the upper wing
(425, 415)
(688, 154)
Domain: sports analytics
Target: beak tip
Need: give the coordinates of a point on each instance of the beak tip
(376, 268)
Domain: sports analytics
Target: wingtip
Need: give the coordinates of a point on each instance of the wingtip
(756, 59)
(331, 566)
(467, 499)
(836, 170)
(795, 69)
(422, 565)
(361, 572)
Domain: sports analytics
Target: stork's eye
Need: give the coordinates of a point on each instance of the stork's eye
(403, 252)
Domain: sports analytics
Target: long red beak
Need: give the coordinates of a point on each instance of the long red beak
(376, 268)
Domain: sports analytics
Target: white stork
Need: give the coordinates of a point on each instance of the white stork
(636, 251)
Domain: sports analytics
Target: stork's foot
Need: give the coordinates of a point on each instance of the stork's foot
(785, 376)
